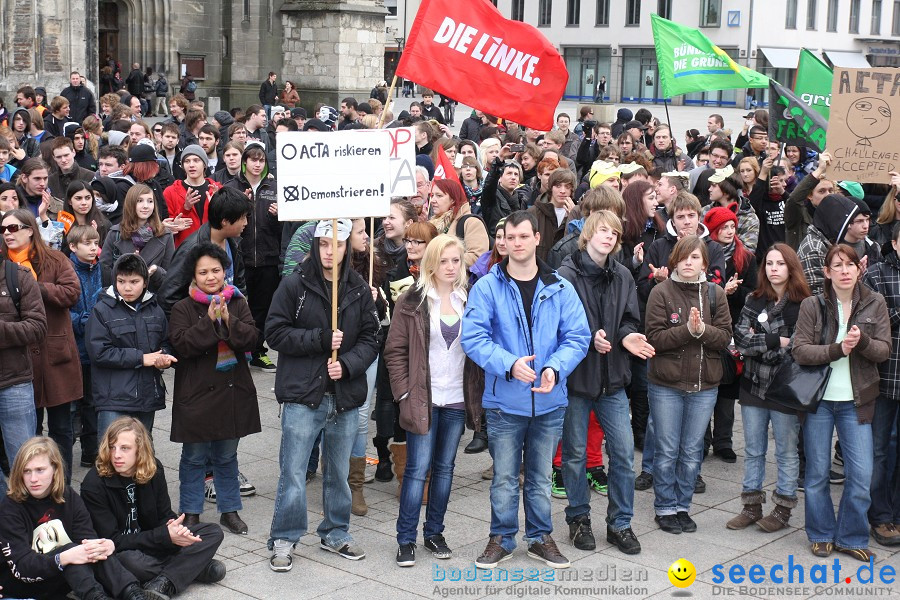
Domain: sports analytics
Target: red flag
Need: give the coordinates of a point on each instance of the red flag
(444, 169)
(468, 51)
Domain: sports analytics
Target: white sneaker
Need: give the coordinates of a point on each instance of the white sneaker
(282, 559)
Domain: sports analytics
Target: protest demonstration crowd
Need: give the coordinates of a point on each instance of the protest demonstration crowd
(550, 290)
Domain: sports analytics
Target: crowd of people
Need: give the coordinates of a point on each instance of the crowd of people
(561, 288)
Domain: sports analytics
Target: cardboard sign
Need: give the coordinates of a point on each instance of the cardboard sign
(862, 131)
(324, 175)
(403, 160)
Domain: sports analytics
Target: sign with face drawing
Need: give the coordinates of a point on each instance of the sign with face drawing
(862, 129)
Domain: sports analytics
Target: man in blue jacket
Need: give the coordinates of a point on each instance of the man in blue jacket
(527, 328)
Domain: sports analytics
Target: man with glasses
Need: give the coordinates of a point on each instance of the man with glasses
(720, 152)
(423, 192)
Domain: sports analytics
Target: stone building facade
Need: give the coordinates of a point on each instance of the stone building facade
(328, 48)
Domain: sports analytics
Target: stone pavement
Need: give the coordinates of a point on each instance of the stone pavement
(604, 573)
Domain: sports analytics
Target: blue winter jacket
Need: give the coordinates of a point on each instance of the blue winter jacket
(91, 278)
(495, 336)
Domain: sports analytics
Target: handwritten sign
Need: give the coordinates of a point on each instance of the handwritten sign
(862, 129)
(323, 175)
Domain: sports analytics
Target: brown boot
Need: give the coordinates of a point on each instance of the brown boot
(778, 518)
(398, 457)
(752, 512)
(356, 478)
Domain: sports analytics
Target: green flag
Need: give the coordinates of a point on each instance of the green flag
(813, 83)
(792, 121)
(689, 62)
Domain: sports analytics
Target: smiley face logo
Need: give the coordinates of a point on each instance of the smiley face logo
(869, 118)
(682, 573)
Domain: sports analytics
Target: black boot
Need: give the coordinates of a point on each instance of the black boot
(383, 470)
(479, 442)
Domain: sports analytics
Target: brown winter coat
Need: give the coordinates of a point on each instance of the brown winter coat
(870, 314)
(19, 330)
(210, 405)
(683, 361)
(547, 227)
(406, 358)
(57, 365)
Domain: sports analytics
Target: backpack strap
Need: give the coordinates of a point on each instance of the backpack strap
(711, 292)
(461, 225)
(824, 316)
(12, 284)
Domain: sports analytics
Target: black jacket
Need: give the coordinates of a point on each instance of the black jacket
(471, 129)
(117, 336)
(299, 329)
(268, 93)
(81, 102)
(610, 302)
(135, 83)
(496, 202)
(433, 112)
(107, 501)
(175, 287)
(261, 238)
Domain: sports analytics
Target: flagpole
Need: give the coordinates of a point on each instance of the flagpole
(668, 120)
(387, 104)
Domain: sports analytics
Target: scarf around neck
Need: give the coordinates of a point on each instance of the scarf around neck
(140, 237)
(225, 360)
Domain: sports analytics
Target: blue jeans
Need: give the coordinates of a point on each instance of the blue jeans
(435, 450)
(105, 417)
(300, 425)
(679, 421)
(851, 528)
(362, 432)
(649, 446)
(508, 437)
(886, 466)
(612, 414)
(195, 457)
(785, 428)
(17, 420)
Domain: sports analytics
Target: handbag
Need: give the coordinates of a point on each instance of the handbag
(800, 387)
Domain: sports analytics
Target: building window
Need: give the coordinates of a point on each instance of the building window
(602, 13)
(391, 6)
(710, 13)
(573, 12)
(854, 16)
(895, 21)
(664, 8)
(518, 10)
(246, 10)
(811, 14)
(790, 17)
(876, 17)
(545, 8)
(832, 15)
(632, 13)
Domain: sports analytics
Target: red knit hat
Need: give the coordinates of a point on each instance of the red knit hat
(718, 216)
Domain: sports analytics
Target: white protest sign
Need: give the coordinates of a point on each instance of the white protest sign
(403, 160)
(324, 175)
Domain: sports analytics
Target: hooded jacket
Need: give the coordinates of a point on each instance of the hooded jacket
(496, 333)
(610, 303)
(19, 329)
(261, 238)
(299, 329)
(117, 336)
(658, 256)
(622, 116)
(91, 279)
(668, 159)
(175, 196)
(832, 218)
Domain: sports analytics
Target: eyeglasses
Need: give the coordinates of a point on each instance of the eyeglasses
(13, 228)
(408, 241)
(157, 130)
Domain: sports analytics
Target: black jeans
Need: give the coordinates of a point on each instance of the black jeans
(181, 565)
(386, 414)
(637, 396)
(59, 428)
(261, 285)
(88, 416)
(720, 433)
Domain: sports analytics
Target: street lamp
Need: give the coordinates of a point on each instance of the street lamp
(400, 41)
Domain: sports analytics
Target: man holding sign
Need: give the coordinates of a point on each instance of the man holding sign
(319, 394)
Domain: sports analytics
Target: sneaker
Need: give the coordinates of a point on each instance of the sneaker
(800, 483)
(493, 554)
(624, 540)
(282, 559)
(209, 491)
(668, 523)
(580, 533)
(644, 481)
(87, 461)
(836, 477)
(406, 555)
(438, 547)
(688, 525)
(557, 487)
(246, 488)
(699, 485)
(886, 534)
(347, 551)
(598, 481)
(838, 459)
(547, 551)
(262, 362)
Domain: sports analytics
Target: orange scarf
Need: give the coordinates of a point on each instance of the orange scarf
(21, 257)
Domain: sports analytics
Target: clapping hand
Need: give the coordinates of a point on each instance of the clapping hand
(695, 324)
(850, 340)
(660, 274)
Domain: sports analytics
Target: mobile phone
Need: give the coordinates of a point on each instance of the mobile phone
(517, 148)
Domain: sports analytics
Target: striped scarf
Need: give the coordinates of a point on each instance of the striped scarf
(225, 359)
